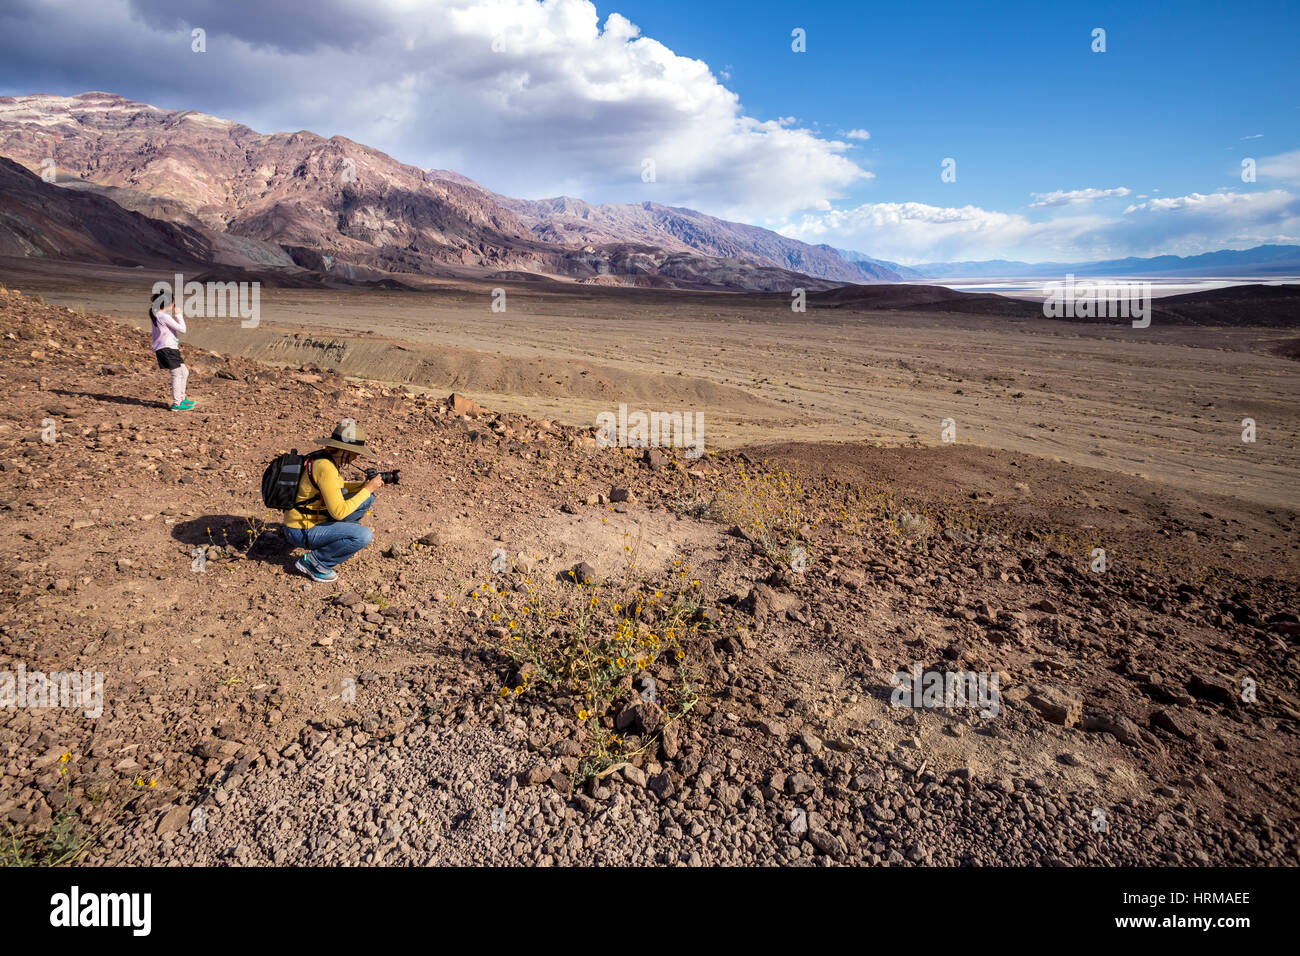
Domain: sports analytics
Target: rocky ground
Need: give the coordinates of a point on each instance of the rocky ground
(1148, 711)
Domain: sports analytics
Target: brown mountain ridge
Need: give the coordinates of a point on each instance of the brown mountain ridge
(349, 205)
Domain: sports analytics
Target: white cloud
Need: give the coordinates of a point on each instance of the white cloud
(1201, 222)
(1184, 225)
(1074, 197)
(560, 103)
(1255, 136)
(914, 232)
(858, 134)
(1284, 166)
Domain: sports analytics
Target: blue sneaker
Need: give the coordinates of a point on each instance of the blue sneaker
(314, 571)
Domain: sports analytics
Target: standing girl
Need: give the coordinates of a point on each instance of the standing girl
(167, 322)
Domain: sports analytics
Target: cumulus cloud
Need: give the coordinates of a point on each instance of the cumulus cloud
(541, 98)
(912, 233)
(1199, 222)
(530, 98)
(1075, 197)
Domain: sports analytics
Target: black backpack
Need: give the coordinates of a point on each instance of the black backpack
(281, 478)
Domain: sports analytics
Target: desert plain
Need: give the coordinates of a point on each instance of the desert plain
(828, 540)
(1165, 404)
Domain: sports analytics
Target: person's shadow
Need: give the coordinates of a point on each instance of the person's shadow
(101, 397)
(227, 537)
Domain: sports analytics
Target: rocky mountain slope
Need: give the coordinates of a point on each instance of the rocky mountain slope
(904, 272)
(747, 612)
(332, 195)
(1240, 305)
(331, 203)
(570, 221)
(40, 219)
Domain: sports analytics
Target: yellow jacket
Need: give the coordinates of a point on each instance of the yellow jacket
(331, 504)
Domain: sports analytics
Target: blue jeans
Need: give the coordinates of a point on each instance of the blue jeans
(333, 542)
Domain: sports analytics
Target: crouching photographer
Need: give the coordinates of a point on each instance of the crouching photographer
(327, 511)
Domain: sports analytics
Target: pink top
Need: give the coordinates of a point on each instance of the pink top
(165, 327)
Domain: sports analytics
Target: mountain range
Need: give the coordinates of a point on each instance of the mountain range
(568, 221)
(210, 189)
(299, 200)
(1261, 261)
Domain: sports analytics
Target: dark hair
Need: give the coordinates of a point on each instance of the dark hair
(165, 298)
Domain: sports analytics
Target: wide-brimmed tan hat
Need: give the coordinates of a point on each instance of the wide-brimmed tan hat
(349, 436)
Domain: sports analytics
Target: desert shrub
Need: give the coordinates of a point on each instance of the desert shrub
(768, 506)
(693, 506)
(913, 526)
(593, 649)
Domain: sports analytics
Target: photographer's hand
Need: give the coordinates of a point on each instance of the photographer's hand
(373, 485)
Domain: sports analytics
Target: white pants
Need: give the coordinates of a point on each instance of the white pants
(180, 375)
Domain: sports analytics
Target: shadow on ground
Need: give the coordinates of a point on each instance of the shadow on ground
(115, 399)
(236, 536)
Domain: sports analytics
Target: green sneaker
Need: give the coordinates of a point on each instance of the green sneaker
(188, 402)
(182, 407)
(308, 566)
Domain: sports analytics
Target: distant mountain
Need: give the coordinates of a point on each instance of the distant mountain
(568, 221)
(1260, 261)
(904, 272)
(284, 199)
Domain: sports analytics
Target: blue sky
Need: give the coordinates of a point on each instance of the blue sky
(1012, 90)
(1060, 152)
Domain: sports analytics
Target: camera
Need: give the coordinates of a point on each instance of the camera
(390, 477)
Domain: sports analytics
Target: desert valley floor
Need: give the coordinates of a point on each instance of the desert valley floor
(1165, 404)
(1122, 690)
